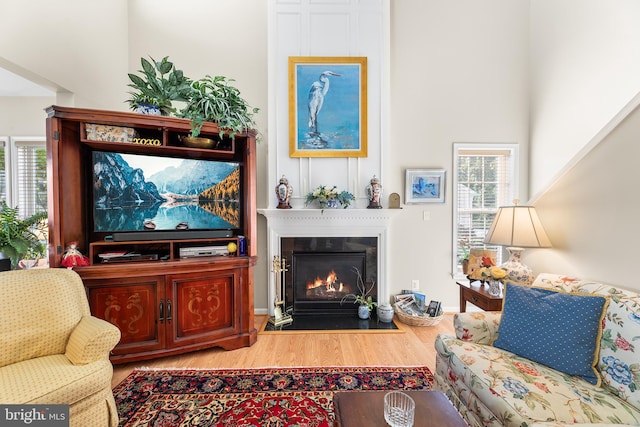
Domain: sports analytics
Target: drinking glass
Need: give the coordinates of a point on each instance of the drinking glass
(399, 409)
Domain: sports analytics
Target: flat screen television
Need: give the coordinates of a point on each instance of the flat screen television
(134, 193)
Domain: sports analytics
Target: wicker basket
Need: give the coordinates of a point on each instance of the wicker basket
(418, 320)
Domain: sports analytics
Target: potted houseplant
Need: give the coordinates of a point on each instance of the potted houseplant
(215, 99)
(19, 237)
(158, 85)
(464, 258)
(363, 297)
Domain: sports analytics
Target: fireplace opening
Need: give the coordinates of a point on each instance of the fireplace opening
(321, 271)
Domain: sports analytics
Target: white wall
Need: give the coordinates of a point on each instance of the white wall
(459, 73)
(24, 116)
(591, 213)
(77, 46)
(585, 67)
(325, 29)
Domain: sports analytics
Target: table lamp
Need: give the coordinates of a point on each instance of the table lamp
(517, 227)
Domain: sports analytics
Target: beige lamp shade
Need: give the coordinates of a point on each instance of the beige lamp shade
(517, 226)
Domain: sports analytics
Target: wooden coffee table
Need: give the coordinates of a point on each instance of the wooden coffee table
(366, 409)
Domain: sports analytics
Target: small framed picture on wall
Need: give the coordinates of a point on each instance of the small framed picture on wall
(425, 185)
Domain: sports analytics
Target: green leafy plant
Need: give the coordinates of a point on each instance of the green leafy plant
(363, 296)
(466, 250)
(215, 99)
(19, 237)
(159, 84)
(324, 194)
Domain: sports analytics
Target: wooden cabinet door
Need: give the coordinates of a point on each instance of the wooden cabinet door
(205, 307)
(136, 305)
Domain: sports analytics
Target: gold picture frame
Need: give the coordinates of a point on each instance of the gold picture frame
(327, 106)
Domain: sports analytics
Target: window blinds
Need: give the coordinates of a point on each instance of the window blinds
(485, 180)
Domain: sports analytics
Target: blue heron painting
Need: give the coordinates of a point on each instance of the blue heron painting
(328, 106)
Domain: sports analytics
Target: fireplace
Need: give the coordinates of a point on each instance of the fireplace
(322, 270)
(318, 224)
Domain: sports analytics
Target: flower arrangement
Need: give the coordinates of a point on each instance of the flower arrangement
(326, 197)
(488, 271)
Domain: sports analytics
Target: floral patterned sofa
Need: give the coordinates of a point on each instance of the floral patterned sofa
(493, 387)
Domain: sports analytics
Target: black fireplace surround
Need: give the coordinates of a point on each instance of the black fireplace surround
(322, 270)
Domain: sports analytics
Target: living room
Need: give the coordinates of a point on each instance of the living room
(556, 78)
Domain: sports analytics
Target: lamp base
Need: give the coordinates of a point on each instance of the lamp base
(517, 272)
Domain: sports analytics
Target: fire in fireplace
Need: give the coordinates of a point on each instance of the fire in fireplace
(323, 270)
(328, 288)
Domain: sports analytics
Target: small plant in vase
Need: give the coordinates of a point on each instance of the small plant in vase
(215, 99)
(363, 297)
(329, 197)
(157, 85)
(464, 258)
(21, 238)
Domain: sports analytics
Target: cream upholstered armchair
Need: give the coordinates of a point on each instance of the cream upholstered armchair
(52, 351)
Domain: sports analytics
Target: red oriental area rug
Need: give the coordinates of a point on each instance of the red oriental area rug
(273, 397)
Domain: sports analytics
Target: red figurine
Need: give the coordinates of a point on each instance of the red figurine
(73, 258)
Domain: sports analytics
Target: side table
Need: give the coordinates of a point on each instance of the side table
(478, 295)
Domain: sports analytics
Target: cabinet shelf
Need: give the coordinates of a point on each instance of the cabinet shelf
(163, 304)
(166, 250)
(139, 140)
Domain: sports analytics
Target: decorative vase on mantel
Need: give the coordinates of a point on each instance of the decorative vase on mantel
(284, 192)
(516, 271)
(374, 192)
(333, 204)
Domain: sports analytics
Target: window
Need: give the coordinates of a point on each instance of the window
(23, 174)
(484, 179)
(3, 168)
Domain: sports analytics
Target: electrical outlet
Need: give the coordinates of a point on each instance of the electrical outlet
(426, 215)
(415, 284)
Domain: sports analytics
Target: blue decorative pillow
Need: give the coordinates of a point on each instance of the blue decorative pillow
(557, 329)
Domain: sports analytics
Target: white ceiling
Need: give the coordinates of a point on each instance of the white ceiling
(13, 85)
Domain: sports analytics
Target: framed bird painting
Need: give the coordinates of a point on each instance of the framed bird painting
(424, 185)
(327, 106)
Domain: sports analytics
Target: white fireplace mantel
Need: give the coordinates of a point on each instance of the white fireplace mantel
(329, 223)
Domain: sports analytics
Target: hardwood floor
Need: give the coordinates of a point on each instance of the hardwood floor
(411, 347)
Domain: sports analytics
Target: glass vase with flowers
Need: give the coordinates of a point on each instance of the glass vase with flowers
(491, 274)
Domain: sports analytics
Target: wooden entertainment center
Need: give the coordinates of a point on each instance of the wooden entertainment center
(163, 303)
